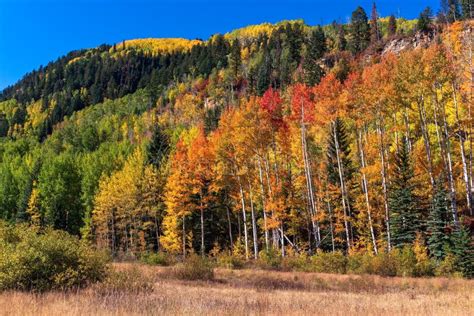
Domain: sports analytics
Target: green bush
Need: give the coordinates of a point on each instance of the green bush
(230, 261)
(120, 282)
(156, 258)
(194, 268)
(30, 260)
(296, 263)
(329, 262)
(269, 259)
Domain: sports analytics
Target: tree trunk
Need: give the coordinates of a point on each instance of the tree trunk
(254, 224)
(262, 188)
(342, 186)
(384, 183)
(467, 181)
(366, 192)
(202, 229)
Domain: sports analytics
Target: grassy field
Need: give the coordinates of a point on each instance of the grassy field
(138, 289)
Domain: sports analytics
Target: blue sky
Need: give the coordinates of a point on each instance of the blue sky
(34, 32)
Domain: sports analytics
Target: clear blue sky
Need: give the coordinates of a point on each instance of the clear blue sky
(34, 32)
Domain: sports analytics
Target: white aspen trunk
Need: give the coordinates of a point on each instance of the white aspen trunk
(184, 238)
(254, 224)
(343, 192)
(202, 230)
(366, 193)
(426, 139)
(384, 185)
(244, 218)
(452, 188)
(467, 181)
(230, 228)
(262, 188)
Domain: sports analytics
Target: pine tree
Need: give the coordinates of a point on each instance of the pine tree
(158, 147)
(341, 42)
(467, 9)
(235, 59)
(374, 27)
(392, 25)
(314, 51)
(437, 222)
(424, 20)
(463, 250)
(403, 204)
(359, 31)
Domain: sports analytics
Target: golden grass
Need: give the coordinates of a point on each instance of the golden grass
(253, 292)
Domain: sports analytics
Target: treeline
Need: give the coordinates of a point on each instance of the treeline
(293, 141)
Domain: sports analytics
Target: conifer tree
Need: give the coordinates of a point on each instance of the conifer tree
(374, 27)
(314, 51)
(437, 222)
(463, 250)
(403, 204)
(424, 20)
(392, 25)
(235, 59)
(359, 31)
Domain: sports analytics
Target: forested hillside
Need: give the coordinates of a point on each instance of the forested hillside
(278, 139)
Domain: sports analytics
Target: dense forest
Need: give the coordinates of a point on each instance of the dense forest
(284, 138)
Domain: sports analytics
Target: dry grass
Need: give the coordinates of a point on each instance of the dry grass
(244, 292)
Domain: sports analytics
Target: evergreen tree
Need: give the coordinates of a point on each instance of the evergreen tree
(374, 26)
(235, 59)
(451, 10)
(437, 222)
(467, 9)
(424, 20)
(341, 42)
(403, 204)
(463, 251)
(359, 31)
(392, 25)
(314, 51)
(158, 147)
(344, 151)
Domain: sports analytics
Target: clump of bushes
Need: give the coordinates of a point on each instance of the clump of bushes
(156, 258)
(130, 281)
(230, 261)
(194, 268)
(328, 262)
(51, 259)
(269, 259)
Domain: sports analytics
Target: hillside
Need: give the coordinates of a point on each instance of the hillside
(273, 140)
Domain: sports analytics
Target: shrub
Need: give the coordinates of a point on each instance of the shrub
(230, 261)
(447, 267)
(296, 263)
(30, 260)
(194, 268)
(329, 262)
(156, 258)
(269, 259)
(130, 281)
(405, 261)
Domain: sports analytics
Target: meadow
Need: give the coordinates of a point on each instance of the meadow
(137, 289)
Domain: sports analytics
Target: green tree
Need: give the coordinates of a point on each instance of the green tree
(403, 204)
(467, 9)
(315, 50)
(424, 20)
(463, 250)
(359, 31)
(392, 25)
(437, 222)
(235, 59)
(60, 193)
